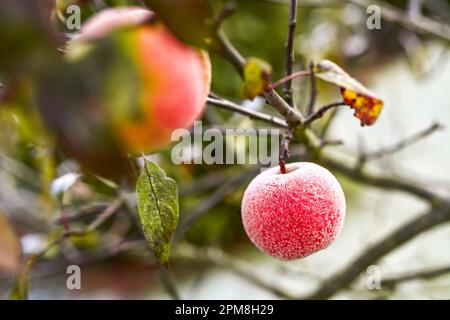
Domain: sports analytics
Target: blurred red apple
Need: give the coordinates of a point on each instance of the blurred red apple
(126, 85)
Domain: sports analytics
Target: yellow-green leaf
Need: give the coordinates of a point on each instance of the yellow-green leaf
(366, 104)
(157, 201)
(20, 287)
(256, 78)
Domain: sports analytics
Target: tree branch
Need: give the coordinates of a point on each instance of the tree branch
(293, 117)
(391, 282)
(221, 259)
(389, 13)
(313, 94)
(213, 200)
(327, 124)
(253, 114)
(371, 255)
(418, 24)
(402, 144)
(289, 47)
(319, 113)
(388, 182)
(359, 175)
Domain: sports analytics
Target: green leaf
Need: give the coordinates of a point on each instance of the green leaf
(19, 290)
(256, 78)
(157, 201)
(20, 287)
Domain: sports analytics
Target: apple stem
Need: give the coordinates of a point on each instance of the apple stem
(282, 166)
(284, 150)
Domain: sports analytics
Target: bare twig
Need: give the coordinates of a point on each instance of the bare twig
(228, 9)
(168, 282)
(290, 56)
(416, 275)
(253, 114)
(213, 200)
(289, 77)
(293, 117)
(372, 254)
(393, 183)
(326, 143)
(390, 13)
(101, 218)
(419, 24)
(319, 113)
(109, 211)
(229, 52)
(313, 94)
(286, 139)
(327, 123)
(384, 182)
(221, 259)
(402, 144)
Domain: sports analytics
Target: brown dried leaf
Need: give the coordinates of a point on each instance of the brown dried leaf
(366, 104)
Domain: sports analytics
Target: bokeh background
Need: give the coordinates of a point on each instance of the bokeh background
(410, 70)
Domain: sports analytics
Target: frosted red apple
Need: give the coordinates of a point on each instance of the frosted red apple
(293, 215)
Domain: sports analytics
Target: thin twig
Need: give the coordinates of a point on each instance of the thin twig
(384, 182)
(389, 13)
(327, 143)
(293, 117)
(253, 114)
(313, 90)
(372, 254)
(319, 113)
(109, 211)
(168, 282)
(228, 9)
(229, 52)
(297, 74)
(327, 123)
(213, 200)
(419, 24)
(219, 258)
(402, 144)
(288, 89)
(393, 183)
(101, 218)
(286, 139)
(416, 275)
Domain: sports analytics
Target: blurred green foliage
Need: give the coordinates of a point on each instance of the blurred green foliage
(32, 74)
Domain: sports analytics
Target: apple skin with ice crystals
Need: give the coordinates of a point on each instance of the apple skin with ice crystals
(292, 215)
